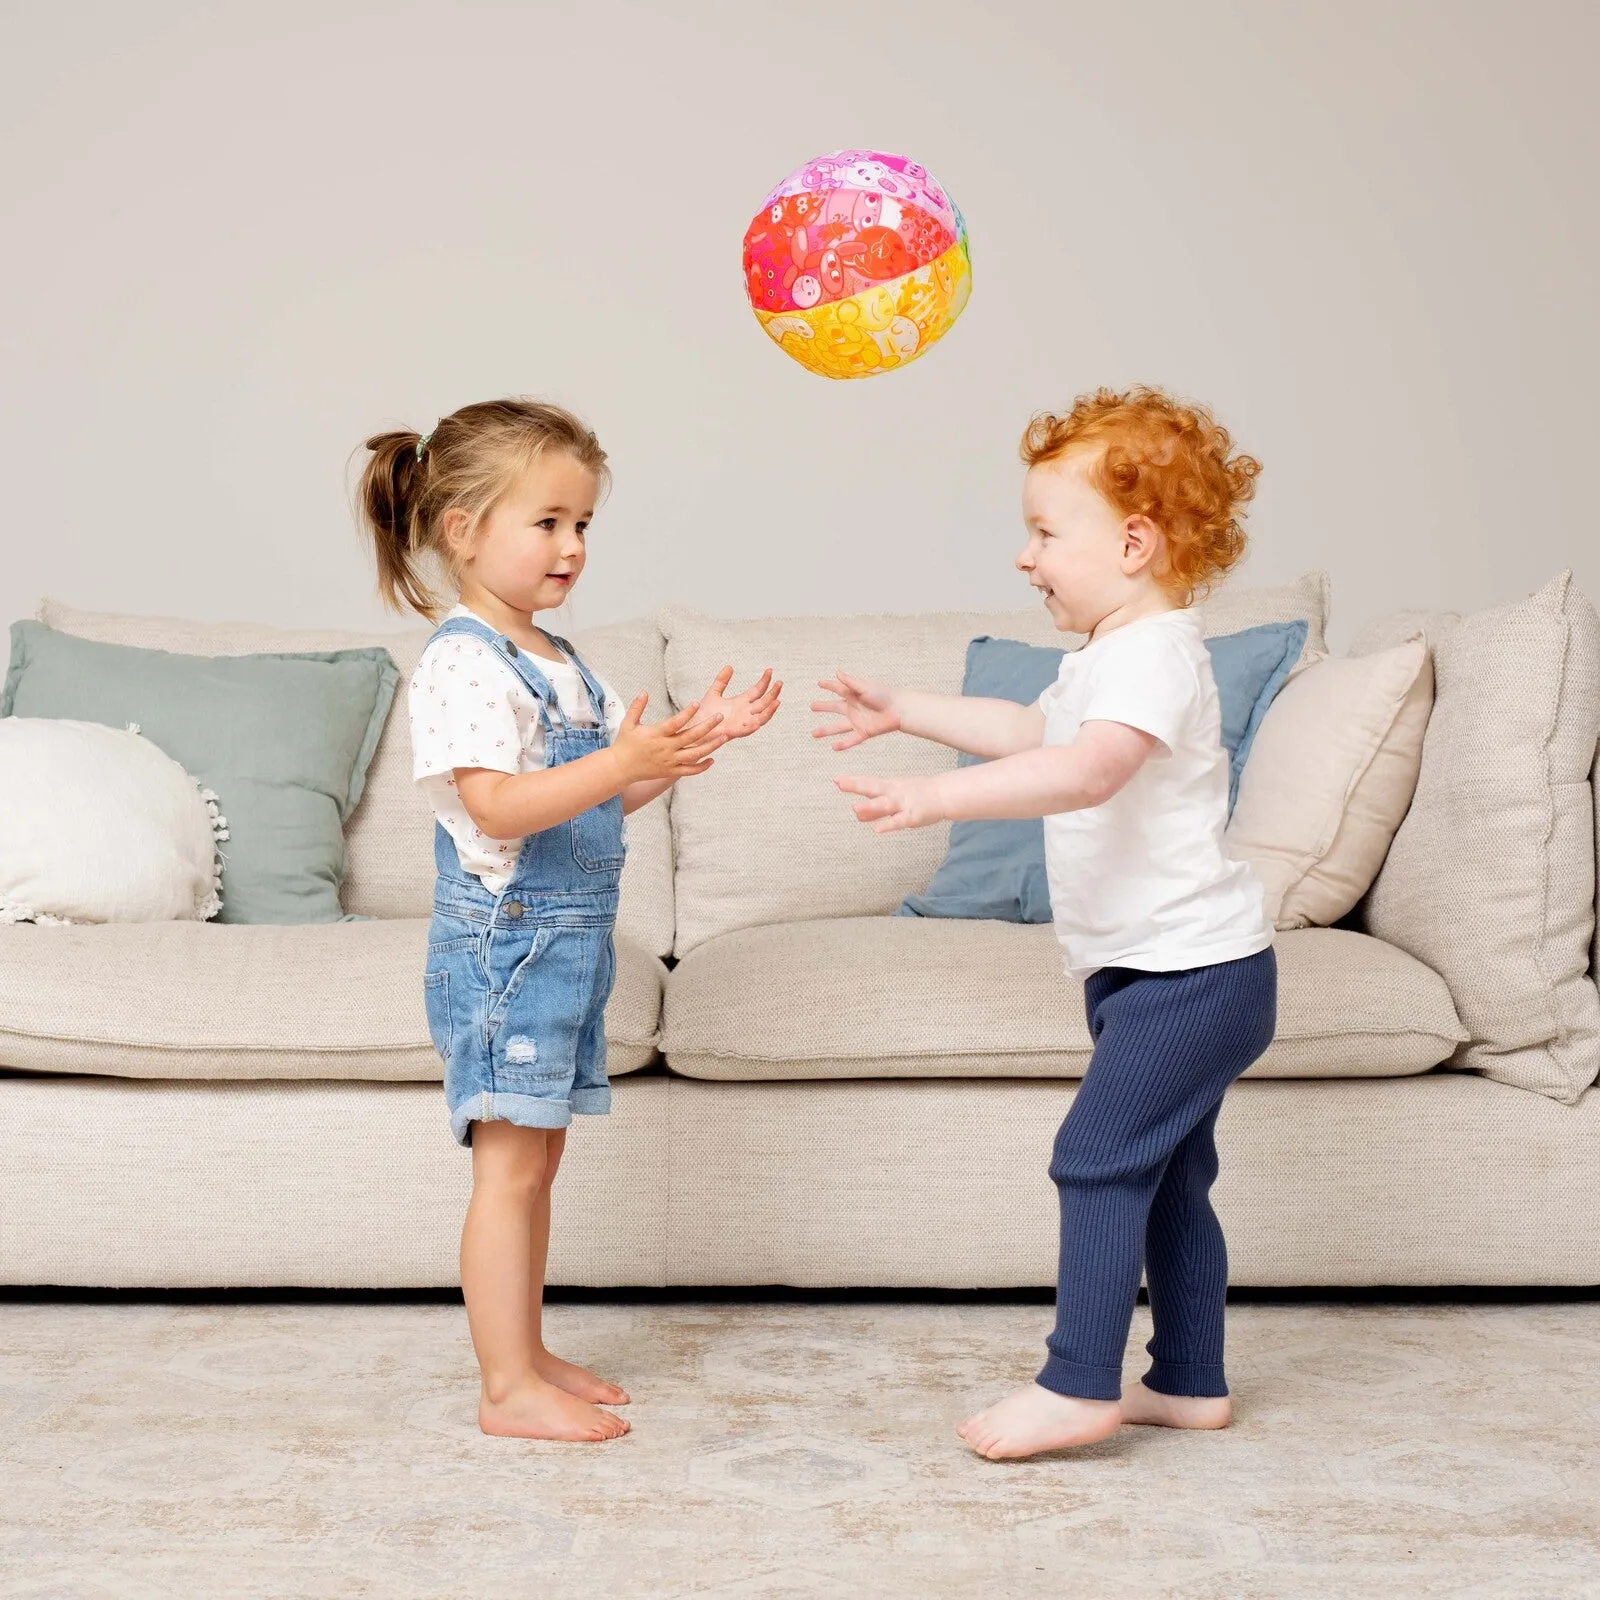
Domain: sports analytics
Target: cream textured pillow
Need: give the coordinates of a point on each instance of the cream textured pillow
(1491, 880)
(102, 826)
(1329, 779)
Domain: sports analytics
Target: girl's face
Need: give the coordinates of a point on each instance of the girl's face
(1083, 555)
(529, 550)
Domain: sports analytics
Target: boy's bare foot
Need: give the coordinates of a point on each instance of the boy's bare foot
(578, 1380)
(1035, 1419)
(1140, 1404)
(542, 1411)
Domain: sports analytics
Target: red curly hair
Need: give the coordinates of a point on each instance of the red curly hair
(1164, 459)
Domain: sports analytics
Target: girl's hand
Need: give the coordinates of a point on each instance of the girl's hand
(891, 804)
(743, 713)
(680, 747)
(868, 709)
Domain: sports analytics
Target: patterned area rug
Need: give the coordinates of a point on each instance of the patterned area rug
(797, 1451)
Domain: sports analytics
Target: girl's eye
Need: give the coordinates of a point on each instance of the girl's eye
(583, 528)
(549, 523)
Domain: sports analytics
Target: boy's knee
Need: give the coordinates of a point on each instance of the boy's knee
(1082, 1163)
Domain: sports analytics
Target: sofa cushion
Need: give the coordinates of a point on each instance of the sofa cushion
(906, 997)
(765, 837)
(1491, 878)
(208, 1000)
(1334, 770)
(389, 840)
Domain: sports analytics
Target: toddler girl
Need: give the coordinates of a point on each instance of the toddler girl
(1131, 505)
(530, 764)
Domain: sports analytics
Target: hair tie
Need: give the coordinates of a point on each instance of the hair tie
(422, 440)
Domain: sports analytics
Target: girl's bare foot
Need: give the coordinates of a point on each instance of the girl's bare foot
(1036, 1419)
(539, 1410)
(1140, 1404)
(578, 1380)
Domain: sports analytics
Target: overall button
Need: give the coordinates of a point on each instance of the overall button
(511, 649)
(512, 908)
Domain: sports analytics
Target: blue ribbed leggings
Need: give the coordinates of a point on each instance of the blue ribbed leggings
(1134, 1163)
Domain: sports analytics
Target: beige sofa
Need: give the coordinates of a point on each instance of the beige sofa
(809, 1091)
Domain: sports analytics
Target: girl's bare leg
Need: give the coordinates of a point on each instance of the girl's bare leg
(563, 1374)
(509, 1169)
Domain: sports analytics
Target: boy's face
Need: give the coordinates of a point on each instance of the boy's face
(1078, 551)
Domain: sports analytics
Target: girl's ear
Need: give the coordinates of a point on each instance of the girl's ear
(455, 528)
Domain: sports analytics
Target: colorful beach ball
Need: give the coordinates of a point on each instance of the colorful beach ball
(857, 263)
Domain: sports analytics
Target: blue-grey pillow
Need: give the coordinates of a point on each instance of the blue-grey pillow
(996, 869)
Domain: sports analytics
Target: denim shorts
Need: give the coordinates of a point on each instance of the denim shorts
(516, 992)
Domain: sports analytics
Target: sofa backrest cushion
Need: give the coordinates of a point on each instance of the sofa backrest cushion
(765, 836)
(1491, 878)
(389, 839)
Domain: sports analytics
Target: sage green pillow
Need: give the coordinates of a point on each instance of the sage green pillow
(284, 740)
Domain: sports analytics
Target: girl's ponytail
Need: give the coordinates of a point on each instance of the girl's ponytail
(386, 501)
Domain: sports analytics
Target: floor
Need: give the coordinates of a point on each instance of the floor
(786, 1449)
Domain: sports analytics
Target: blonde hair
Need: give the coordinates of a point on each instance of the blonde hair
(1165, 459)
(467, 463)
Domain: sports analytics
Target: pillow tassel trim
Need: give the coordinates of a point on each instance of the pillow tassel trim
(212, 904)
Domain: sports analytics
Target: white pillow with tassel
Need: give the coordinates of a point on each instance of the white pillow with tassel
(97, 824)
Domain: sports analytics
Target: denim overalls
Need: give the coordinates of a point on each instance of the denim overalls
(517, 982)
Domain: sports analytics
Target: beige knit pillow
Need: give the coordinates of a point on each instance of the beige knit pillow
(1330, 775)
(1491, 879)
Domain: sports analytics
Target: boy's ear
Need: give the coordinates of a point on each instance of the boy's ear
(1141, 543)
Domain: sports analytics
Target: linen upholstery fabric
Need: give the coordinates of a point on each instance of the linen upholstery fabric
(389, 839)
(1444, 1178)
(737, 834)
(1334, 770)
(207, 1001)
(907, 997)
(286, 736)
(1490, 880)
(322, 1185)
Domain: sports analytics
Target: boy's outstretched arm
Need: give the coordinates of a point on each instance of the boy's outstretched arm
(1032, 783)
(979, 727)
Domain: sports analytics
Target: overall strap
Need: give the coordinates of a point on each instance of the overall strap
(597, 695)
(516, 658)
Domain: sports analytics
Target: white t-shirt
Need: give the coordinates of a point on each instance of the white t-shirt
(1145, 880)
(470, 709)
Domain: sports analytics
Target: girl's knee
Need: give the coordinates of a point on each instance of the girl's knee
(510, 1159)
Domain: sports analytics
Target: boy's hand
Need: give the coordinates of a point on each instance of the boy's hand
(891, 804)
(868, 709)
(743, 713)
(680, 747)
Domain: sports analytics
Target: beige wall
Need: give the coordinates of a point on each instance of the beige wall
(237, 238)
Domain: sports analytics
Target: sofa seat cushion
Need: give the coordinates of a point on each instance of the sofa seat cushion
(901, 997)
(210, 1000)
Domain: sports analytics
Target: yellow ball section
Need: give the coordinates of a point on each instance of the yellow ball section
(881, 328)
